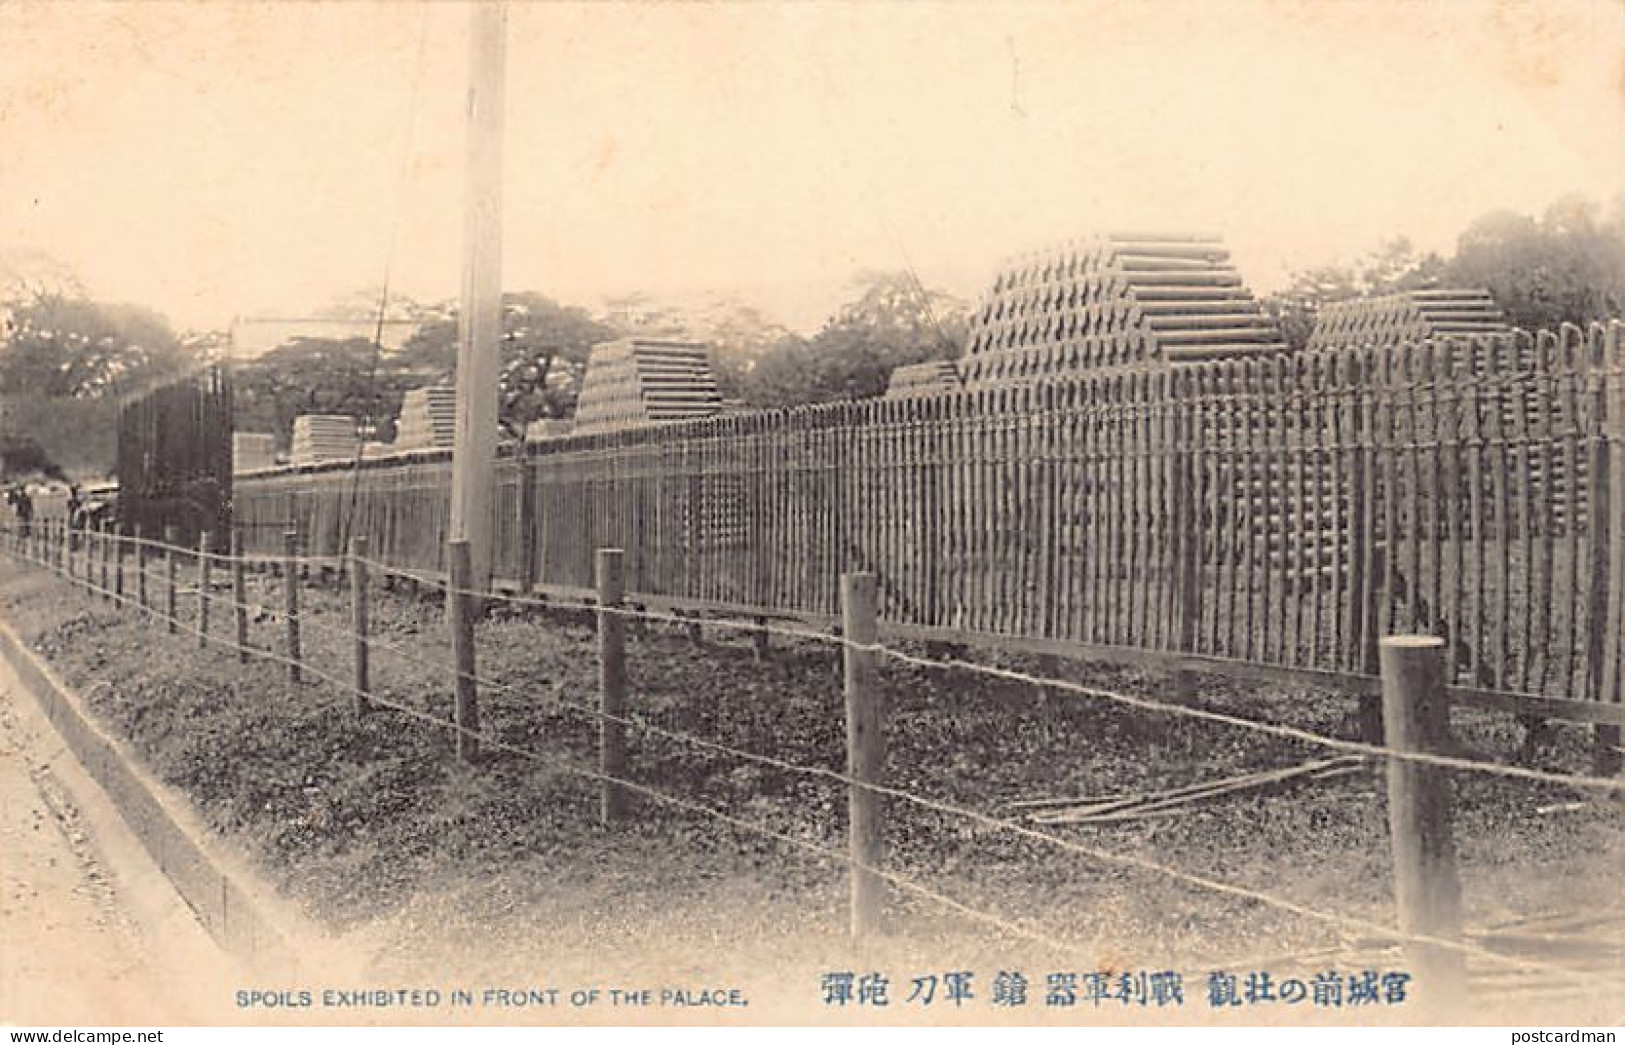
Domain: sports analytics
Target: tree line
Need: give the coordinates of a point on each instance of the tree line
(57, 343)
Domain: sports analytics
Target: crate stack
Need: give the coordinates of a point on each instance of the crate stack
(323, 437)
(252, 451)
(428, 418)
(1411, 315)
(634, 382)
(1117, 301)
(934, 377)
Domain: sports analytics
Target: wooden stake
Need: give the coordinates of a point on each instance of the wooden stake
(118, 563)
(141, 566)
(290, 600)
(1605, 757)
(239, 595)
(527, 523)
(761, 646)
(460, 613)
(203, 570)
(611, 682)
(171, 569)
(865, 753)
(1416, 718)
(103, 553)
(359, 623)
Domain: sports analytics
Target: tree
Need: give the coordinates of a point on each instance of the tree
(894, 321)
(544, 355)
(60, 344)
(320, 376)
(1566, 267)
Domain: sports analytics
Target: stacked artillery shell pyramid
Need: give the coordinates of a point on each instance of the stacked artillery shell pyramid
(323, 437)
(1415, 316)
(1117, 301)
(1410, 315)
(252, 451)
(428, 418)
(641, 381)
(934, 377)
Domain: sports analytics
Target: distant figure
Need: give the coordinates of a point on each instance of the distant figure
(23, 505)
(76, 517)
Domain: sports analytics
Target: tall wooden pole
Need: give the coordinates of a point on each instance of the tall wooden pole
(479, 327)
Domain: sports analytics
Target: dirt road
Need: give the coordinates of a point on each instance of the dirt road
(87, 927)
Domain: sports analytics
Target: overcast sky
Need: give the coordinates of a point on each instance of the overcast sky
(215, 159)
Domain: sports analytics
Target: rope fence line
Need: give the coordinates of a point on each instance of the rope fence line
(495, 743)
(1141, 703)
(994, 823)
(1276, 730)
(1150, 704)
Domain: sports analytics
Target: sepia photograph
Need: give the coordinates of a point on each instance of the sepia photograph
(1087, 514)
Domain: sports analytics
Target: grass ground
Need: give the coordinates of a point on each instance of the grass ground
(500, 874)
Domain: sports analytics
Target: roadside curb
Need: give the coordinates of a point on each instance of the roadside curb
(232, 906)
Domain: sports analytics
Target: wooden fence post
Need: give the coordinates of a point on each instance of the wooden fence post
(359, 623)
(1188, 534)
(1605, 753)
(96, 565)
(171, 567)
(68, 565)
(761, 645)
(203, 571)
(865, 752)
(118, 563)
(239, 595)
(290, 600)
(527, 523)
(611, 580)
(103, 555)
(1365, 592)
(141, 566)
(460, 611)
(1416, 719)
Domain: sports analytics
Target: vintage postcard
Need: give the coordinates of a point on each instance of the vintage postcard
(843, 515)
